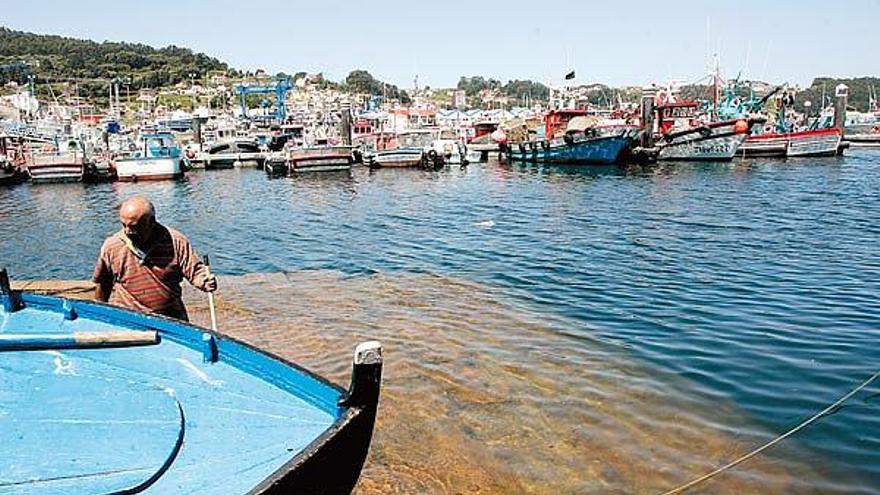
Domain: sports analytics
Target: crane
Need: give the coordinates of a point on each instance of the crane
(281, 87)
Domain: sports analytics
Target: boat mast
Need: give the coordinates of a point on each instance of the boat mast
(715, 76)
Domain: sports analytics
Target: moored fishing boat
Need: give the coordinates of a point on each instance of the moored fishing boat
(10, 173)
(578, 144)
(448, 149)
(98, 399)
(813, 142)
(229, 154)
(158, 157)
(320, 158)
(682, 136)
(53, 167)
(396, 158)
(404, 150)
(865, 139)
(482, 143)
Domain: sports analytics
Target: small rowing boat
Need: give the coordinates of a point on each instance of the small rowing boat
(102, 400)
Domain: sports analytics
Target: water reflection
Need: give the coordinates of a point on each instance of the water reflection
(750, 286)
(484, 396)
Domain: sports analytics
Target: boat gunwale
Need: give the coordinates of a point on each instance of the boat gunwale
(828, 131)
(345, 422)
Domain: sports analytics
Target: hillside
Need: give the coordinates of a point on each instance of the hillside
(58, 58)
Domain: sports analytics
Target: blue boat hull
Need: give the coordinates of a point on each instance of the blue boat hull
(191, 412)
(605, 150)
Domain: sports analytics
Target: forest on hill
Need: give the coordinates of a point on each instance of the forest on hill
(51, 58)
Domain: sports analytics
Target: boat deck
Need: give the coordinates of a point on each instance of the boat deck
(110, 420)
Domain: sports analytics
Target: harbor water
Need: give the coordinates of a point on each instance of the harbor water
(547, 329)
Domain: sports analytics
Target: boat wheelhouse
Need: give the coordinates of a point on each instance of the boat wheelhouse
(683, 136)
(157, 157)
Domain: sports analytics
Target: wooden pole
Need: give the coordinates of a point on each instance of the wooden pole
(211, 297)
(842, 94)
(648, 117)
(346, 125)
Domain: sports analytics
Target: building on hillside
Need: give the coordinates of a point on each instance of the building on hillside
(459, 98)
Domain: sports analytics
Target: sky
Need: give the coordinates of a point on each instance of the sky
(633, 42)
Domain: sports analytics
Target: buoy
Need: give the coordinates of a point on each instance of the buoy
(741, 127)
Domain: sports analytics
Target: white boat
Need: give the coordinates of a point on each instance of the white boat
(396, 158)
(684, 136)
(158, 158)
(448, 149)
(406, 149)
(815, 142)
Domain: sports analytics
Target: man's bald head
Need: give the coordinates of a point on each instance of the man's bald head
(137, 206)
(138, 216)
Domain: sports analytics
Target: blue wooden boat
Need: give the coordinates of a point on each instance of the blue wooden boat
(101, 400)
(600, 146)
(577, 149)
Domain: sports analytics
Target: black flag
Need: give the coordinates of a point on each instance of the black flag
(569, 76)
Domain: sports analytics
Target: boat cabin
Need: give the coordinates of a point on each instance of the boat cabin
(362, 126)
(484, 129)
(160, 145)
(678, 115)
(421, 138)
(556, 121)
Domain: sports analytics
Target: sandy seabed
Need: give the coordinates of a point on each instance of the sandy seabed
(483, 395)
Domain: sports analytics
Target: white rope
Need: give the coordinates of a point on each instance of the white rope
(811, 420)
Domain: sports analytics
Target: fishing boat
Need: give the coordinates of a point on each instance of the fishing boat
(52, 165)
(402, 150)
(865, 139)
(448, 149)
(229, 154)
(10, 173)
(482, 143)
(574, 144)
(99, 399)
(812, 142)
(320, 158)
(397, 158)
(682, 135)
(157, 157)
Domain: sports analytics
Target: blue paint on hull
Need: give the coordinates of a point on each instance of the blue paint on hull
(106, 420)
(605, 150)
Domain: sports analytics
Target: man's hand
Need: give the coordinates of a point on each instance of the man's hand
(210, 283)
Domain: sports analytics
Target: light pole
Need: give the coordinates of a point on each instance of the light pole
(807, 105)
(192, 89)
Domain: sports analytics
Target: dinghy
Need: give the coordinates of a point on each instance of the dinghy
(101, 400)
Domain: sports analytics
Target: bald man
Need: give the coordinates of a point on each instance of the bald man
(141, 266)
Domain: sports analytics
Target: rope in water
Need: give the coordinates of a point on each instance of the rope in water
(808, 422)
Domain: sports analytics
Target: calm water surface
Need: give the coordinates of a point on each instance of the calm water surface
(549, 330)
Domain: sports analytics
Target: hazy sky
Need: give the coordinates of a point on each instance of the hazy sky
(616, 42)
